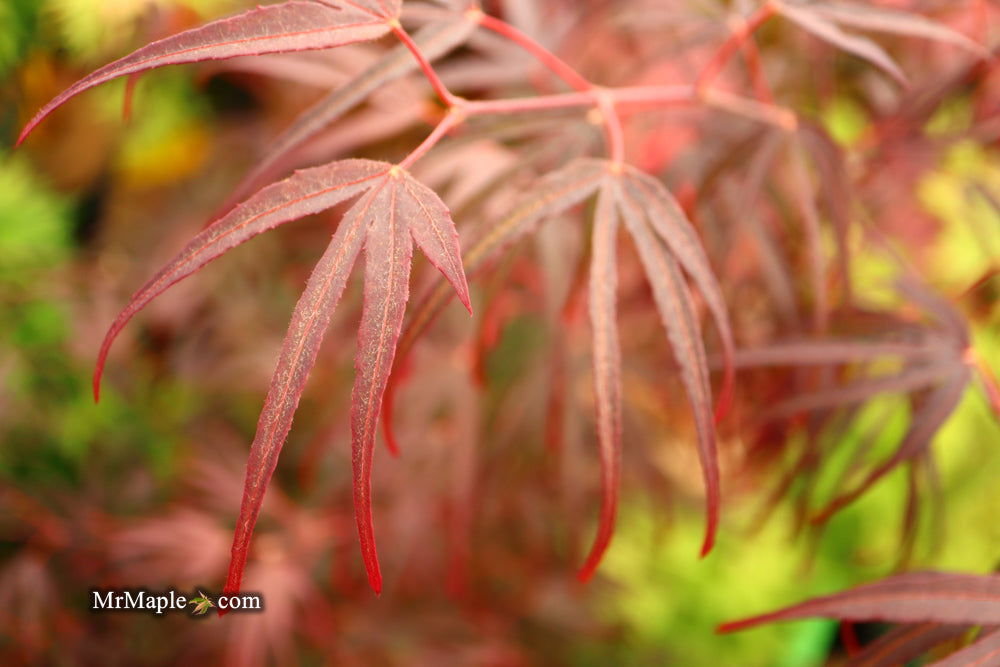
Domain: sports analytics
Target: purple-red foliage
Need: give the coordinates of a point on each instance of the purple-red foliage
(774, 204)
(936, 607)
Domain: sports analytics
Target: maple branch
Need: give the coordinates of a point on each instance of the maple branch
(447, 97)
(604, 100)
(655, 96)
(761, 88)
(638, 96)
(551, 61)
(740, 33)
(626, 96)
(528, 104)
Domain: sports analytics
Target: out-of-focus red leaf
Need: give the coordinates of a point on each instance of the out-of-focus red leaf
(743, 204)
(910, 380)
(434, 41)
(934, 369)
(916, 597)
(926, 422)
(809, 353)
(940, 308)
(555, 192)
(307, 68)
(981, 653)
(835, 185)
(298, 354)
(606, 358)
(905, 643)
(305, 192)
(806, 204)
(880, 19)
(290, 26)
(827, 30)
(677, 313)
(667, 220)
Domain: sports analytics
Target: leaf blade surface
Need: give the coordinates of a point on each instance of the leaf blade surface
(434, 233)
(434, 41)
(291, 26)
(821, 27)
(670, 224)
(673, 302)
(916, 597)
(884, 19)
(606, 360)
(305, 192)
(388, 253)
(298, 355)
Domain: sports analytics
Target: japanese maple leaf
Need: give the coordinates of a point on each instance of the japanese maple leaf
(668, 249)
(202, 603)
(667, 243)
(392, 212)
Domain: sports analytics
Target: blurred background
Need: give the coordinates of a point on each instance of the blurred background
(481, 522)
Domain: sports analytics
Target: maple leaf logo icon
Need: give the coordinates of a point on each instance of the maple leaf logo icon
(202, 604)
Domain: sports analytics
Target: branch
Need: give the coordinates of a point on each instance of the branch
(551, 61)
(442, 91)
(739, 35)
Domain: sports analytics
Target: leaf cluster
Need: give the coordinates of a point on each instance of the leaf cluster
(793, 188)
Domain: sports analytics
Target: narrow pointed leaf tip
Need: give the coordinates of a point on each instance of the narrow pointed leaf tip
(406, 212)
(291, 26)
(305, 192)
(606, 359)
(434, 232)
